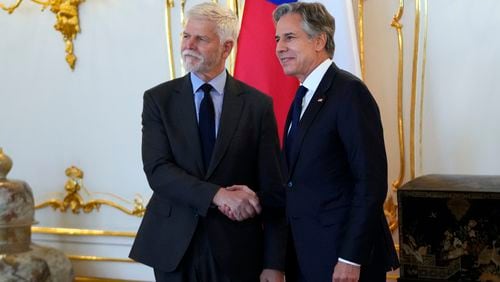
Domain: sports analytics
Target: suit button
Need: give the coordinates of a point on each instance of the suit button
(196, 215)
(290, 184)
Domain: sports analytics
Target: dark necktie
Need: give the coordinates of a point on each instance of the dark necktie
(206, 124)
(294, 127)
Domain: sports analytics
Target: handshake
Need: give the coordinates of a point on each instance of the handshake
(237, 202)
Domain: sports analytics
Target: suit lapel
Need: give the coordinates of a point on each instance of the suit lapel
(317, 101)
(231, 111)
(186, 113)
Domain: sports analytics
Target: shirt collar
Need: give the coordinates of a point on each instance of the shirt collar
(312, 80)
(217, 82)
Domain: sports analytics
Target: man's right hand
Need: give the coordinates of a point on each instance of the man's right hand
(237, 202)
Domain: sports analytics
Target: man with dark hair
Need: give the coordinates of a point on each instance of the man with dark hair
(334, 160)
(211, 156)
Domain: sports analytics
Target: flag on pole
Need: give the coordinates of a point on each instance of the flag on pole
(256, 62)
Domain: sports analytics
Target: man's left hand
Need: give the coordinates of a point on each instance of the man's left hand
(271, 275)
(345, 272)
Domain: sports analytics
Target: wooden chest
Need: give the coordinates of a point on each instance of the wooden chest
(449, 228)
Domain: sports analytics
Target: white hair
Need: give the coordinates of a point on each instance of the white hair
(226, 23)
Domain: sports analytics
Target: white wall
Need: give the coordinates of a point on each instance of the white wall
(461, 112)
(52, 118)
(460, 131)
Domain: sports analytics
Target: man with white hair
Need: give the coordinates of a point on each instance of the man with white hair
(211, 156)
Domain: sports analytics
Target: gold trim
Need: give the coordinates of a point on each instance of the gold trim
(396, 24)
(233, 6)
(76, 204)
(392, 276)
(12, 8)
(183, 12)
(99, 279)
(422, 85)
(75, 201)
(361, 37)
(67, 21)
(390, 208)
(413, 97)
(99, 259)
(391, 212)
(169, 4)
(80, 232)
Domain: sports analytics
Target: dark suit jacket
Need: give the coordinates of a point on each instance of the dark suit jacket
(246, 152)
(337, 180)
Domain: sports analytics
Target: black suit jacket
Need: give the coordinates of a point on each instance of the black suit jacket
(246, 152)
(337, 180)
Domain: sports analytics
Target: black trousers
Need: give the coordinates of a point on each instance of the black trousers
(197, 265)
(293, 273)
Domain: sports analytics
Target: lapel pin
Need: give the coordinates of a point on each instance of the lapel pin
(320, 100)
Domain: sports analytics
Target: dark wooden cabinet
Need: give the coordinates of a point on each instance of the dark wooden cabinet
(449, 228)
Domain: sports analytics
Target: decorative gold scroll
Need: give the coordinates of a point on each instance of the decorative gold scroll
(390, 208)
(74, 201)
(67, 21)
(413, 97)
(398, 26)
(361, 36)
(12, 8)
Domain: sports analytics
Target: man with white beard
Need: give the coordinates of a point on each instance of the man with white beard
(210, 152)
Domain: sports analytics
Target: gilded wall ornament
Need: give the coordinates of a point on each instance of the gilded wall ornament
(67, 21)
(74, 201)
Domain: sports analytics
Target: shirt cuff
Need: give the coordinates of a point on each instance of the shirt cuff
(349, 262)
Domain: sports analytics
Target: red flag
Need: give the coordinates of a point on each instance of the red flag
(256, 61)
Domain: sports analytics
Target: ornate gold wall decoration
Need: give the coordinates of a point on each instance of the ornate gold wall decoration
(233, 6)
(390, 208)
(80, 232)
(67, 21)
(391, 211)
(12, 8)
(361, 36)
(413, 96)
(74, 201)
(169, 4)
(398, 26)
(422, 86)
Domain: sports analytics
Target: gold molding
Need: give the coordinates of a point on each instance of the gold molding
(99, 259)
(390, 208)
(169, 4)
(67, 21)
(233, 6)
(11, 8)
(391, 212)
(398, 26)
(99, 279)
(361, 37)
(76, 203)
(80, 232)
(413, 96)
(183, 12)
(422, 85)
